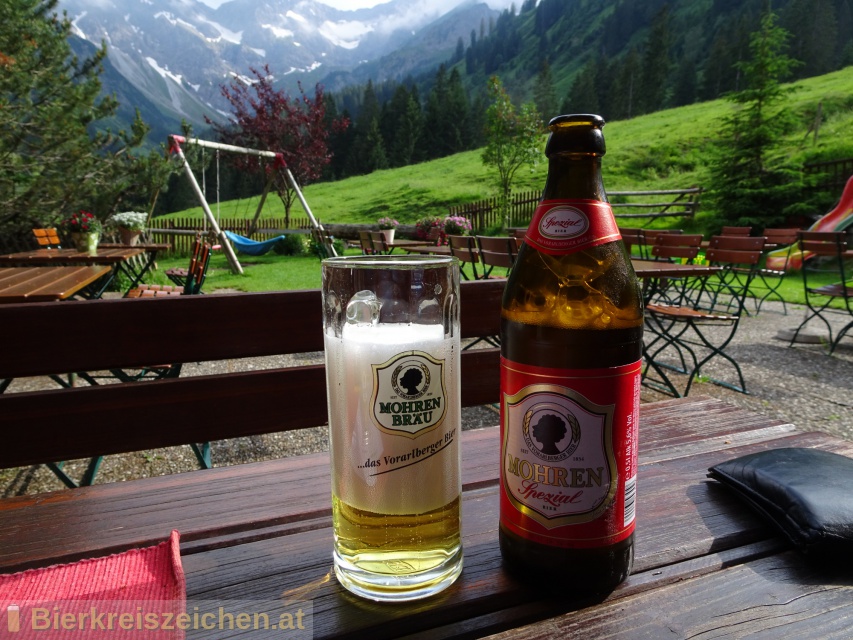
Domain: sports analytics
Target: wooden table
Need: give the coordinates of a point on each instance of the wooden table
(429, 249)
(47, 284)
(134, 261)
(706, 565)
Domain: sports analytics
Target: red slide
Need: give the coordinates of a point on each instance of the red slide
(838, 219)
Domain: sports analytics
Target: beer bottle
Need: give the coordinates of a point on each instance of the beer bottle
(571, 343)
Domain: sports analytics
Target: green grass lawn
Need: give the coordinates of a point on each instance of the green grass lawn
(272, 272)
(663, 150)
(269, 272)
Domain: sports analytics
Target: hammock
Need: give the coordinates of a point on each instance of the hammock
(252, 247)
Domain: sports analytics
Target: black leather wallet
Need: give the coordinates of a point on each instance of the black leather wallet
(806, 493)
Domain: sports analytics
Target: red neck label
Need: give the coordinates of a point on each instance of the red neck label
(565, 226)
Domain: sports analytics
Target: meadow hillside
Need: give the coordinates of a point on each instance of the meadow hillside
(664, 150)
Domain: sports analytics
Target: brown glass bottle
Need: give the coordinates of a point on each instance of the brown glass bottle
(571, 307)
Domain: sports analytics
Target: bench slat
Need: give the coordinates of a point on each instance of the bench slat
(67, 424)
(135, 333)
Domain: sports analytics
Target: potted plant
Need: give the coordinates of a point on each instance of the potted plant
(430, 228)
(457, 226)
(389, 226)
(85, 230)
(130, 225)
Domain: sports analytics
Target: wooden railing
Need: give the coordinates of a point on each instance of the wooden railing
(834, 174)
(487, 213)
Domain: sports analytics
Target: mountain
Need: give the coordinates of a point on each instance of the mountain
(174, 55)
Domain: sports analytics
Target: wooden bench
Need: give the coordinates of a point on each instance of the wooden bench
(80, 422)
(83, 422)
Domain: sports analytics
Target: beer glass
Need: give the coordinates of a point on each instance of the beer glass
(391, 326)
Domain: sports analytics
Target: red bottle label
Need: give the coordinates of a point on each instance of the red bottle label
(566, 226)
(569, 453)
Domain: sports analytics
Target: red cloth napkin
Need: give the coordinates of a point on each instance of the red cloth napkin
(136, 594)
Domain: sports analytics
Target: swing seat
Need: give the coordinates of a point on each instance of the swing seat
(252, 247)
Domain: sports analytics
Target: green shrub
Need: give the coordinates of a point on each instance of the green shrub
(315, 248)
(293, 244)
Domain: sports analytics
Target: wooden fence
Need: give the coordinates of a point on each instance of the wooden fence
(833, 174)
(180, 232)
(486, 213)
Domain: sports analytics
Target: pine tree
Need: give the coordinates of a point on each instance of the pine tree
(402, 120)
(544, 95)
(813, 28)
(583, 95)
(445, 129)
(656, 65)
(684, 86)
(750, 185)
(622, 97)
(50, 163)
(367, 152)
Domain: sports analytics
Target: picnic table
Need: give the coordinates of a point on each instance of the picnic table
(262, 531)
(134, 261)
(47, 284)
(705, 563)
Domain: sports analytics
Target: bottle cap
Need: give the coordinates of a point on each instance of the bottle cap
(576, 133)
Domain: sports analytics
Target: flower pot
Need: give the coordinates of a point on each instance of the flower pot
(86, 242)
(389, 234)
(129, 237)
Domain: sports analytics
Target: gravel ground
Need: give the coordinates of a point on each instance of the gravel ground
(802, 385)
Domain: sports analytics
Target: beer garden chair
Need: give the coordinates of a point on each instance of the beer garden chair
(465, 249)
(827, 252)
(769, 280)
(700, 327)
(497, 251)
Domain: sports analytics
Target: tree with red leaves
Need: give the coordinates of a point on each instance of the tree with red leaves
(269, 119)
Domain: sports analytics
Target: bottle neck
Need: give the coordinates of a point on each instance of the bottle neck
(574, 176)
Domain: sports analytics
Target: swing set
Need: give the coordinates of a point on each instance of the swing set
(279, 168)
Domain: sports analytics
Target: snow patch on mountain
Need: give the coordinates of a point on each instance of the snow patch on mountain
(344, 34)
(75, 26)
(278, 32)
(163, 71)
(235, 37)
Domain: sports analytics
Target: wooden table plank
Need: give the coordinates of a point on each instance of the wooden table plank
(664, 269)
(430, 249)
(781, 596)
(705, 562)
(46, 284)
(108, 255)
(232, 501)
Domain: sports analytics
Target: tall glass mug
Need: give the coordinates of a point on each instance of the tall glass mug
(391, 327)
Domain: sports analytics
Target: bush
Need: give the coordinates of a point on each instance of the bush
(315, 248)
(293, 244)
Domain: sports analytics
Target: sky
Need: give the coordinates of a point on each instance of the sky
(338, 4)
(363, 4)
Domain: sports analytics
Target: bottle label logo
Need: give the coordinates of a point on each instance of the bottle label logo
(408, 394)
(563, 222)
(566, 226)
(569, 453)
(559, 465)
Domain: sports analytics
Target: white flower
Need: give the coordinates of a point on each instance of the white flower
(130, 220)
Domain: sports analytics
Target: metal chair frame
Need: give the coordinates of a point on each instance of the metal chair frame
(717, 300)
(829, 248)
(771, 279)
